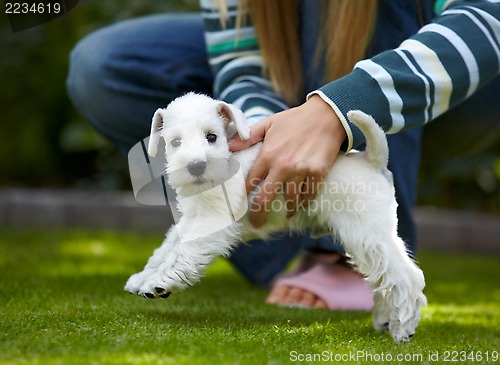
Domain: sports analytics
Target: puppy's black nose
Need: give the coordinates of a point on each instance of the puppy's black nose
(197, 167)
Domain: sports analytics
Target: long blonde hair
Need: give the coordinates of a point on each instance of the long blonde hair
(346, 31)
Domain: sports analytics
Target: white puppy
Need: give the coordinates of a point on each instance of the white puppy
(355, 203)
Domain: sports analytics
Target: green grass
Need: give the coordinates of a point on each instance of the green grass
(61, 302)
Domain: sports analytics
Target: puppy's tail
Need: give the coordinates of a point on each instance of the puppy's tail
(377, 150)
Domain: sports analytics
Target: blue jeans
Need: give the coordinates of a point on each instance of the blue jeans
(121, 74)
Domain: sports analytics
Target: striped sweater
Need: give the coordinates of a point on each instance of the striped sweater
(429, 73)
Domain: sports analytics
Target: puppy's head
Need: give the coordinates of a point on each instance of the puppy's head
(196, 129)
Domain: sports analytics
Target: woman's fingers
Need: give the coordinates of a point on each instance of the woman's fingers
(299, 147)
(257, 133)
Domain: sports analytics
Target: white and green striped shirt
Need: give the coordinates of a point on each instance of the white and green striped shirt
(429, 73)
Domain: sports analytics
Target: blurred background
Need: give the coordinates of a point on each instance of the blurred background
(43, 141)
(44, 144)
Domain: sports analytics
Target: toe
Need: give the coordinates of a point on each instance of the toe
(294, 296)
(277, 295)
(310, 300)
(320, 304)
(288, 295)
(307, 299)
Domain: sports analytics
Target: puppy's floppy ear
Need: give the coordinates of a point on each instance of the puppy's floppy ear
(154, 137)
(234, 119)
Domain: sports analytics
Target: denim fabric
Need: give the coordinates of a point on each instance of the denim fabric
(121, 74)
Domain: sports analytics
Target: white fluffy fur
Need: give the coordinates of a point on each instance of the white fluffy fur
(206, 230)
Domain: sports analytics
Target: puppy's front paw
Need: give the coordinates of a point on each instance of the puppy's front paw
(152, 292)
(135, 282)
(158, 285)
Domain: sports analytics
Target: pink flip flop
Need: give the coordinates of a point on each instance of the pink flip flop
(335, 283)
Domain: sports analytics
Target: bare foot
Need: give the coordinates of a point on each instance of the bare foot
(288, 295)
(327, 284)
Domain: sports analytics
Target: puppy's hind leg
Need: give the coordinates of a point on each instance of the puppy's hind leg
(381, 313)
(396, 279)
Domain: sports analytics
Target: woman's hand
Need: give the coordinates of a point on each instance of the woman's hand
(299, 147)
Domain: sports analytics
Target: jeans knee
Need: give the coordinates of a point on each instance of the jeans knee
(84, 70)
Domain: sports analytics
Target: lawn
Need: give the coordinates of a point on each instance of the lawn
(62, 302)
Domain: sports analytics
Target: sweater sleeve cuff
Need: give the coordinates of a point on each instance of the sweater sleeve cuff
(357, 91)
(350, 128)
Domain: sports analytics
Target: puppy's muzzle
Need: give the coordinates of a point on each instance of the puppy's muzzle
(197, 167)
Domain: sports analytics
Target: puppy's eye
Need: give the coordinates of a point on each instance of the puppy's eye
(176, 142)
(211, 138)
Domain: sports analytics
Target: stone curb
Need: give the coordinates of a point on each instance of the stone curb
(439, 230)
(21, 208)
